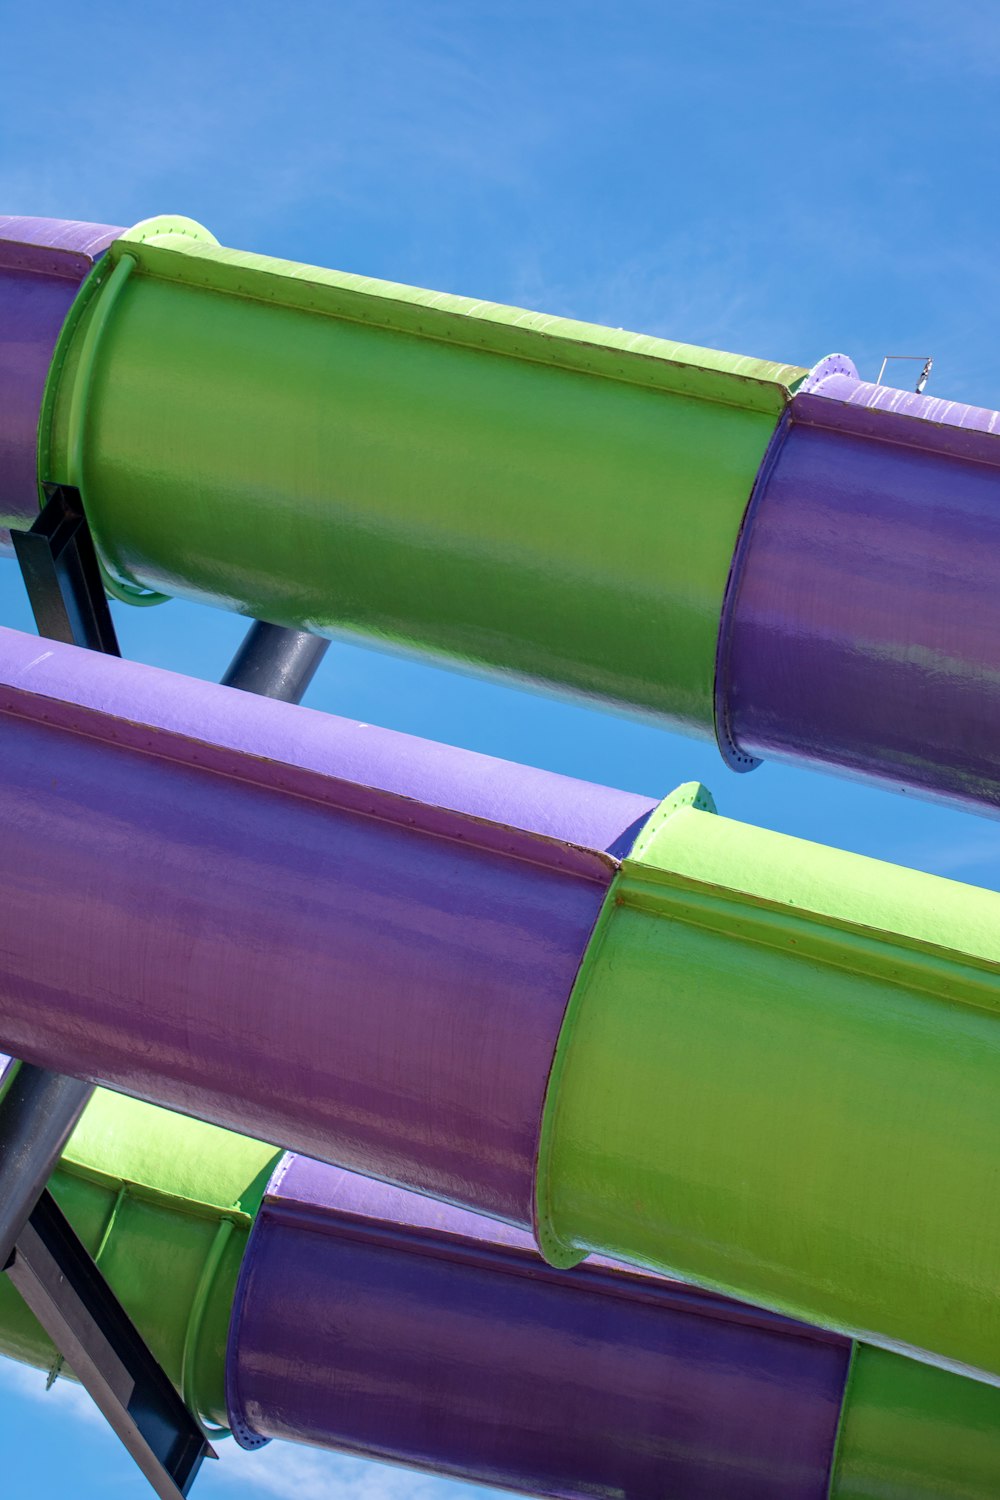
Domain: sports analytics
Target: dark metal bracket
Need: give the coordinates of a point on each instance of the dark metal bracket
(62, 576)
(70, 1298)
(38, 1111)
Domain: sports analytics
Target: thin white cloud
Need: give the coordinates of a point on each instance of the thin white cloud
(66, 1396)
(281, 1471)
(963, 37)
(373, 90)
(702, 285)
(960, 859)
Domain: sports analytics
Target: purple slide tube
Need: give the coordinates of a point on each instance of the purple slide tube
(199, 884)
(863, 620)
(376, 1321)
(42, 263)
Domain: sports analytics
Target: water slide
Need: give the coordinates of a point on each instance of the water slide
(802, 564)
(641, 1031)
(293, 1300)
(618, 1029)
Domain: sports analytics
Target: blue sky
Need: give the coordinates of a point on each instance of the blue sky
(778, 179)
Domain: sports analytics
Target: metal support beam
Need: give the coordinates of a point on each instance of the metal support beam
(62, 576)
(275, 662)
(37, 1114)
(70, 1298)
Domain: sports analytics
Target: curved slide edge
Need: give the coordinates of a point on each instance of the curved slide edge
(42, 265)
(766, 1036)
(779, 1076)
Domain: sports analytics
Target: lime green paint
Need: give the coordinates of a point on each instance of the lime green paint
(512, 491)
(150, 1194)
(165, 1203)
(780, 1076)
(76, 439)
(912, 1432)
(88, 355)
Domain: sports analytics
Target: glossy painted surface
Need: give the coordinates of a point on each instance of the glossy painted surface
(42, 263)
(780, 1076)
(911, 1432)
(324, 934)
(459, 1351)
(451, 477)
(372, 1320)
(149, 1193)
(330, 451)
(864, 620)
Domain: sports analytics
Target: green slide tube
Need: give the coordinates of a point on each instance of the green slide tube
(165, 1205)
(356, 457)
(153, 1193)
(909, 1431)
(779, 1077)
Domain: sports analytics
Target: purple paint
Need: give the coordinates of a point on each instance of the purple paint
(373, 1321)
(836, 379)
(347, 940)
(42, 263)
(862, 627)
